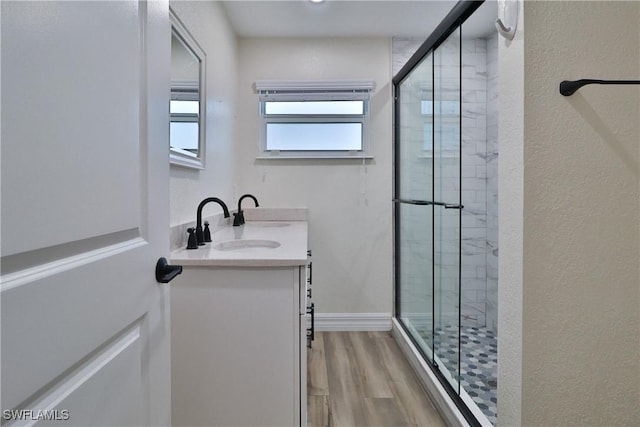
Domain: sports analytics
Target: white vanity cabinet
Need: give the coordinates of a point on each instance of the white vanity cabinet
(238, 342)
(238, 325)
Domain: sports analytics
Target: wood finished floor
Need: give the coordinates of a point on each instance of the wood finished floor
(361, 379)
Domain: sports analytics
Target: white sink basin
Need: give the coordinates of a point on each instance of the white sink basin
(236, 245)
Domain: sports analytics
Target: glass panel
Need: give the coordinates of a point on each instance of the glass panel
(314, 107)
(314, 136)
(447, 177)
(415, 144)
(415, 233)
(415, 267)
(184, 107)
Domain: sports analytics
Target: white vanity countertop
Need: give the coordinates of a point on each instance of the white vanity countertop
(292, 236)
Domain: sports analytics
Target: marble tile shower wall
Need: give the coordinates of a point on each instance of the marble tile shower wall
(474, 182)
(479, 189)
(492, 183)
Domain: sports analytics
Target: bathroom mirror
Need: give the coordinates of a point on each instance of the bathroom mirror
(187, 104)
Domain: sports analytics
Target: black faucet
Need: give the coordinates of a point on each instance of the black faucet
(199, 233)
(238, 217)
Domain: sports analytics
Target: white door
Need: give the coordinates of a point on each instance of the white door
(85, 325)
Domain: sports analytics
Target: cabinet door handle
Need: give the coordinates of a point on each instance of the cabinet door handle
(311, 331)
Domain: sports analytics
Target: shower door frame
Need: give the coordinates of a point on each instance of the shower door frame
(454, 20)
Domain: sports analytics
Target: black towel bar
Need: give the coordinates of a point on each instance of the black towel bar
(569, 87)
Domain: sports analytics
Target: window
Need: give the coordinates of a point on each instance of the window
(314, 119)
(184, 110)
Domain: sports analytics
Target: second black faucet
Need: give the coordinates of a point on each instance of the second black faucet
(238, 217)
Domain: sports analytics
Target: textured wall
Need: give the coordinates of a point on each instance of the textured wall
(581, 290)
(350, 228)
(208, 24)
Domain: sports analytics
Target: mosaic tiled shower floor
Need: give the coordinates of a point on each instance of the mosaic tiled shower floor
(478, 363)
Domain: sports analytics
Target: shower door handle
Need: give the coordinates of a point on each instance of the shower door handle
(449, 205)
(446, 206)
(428, 203)
(415, 202)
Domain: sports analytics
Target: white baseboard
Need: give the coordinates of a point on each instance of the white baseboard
(353, 321)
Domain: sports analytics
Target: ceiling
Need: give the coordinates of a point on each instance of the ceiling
(350, 18)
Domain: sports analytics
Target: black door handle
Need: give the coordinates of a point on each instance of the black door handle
(165, 272)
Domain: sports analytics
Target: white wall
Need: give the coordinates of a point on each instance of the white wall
(580, 241)
(208, 24)
(349, 203)
(511, 214)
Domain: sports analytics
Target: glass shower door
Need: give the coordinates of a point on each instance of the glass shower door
(447, 214)
(428, 207)
(414, 211)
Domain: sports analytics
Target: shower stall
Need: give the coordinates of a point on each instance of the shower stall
(446, 208)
